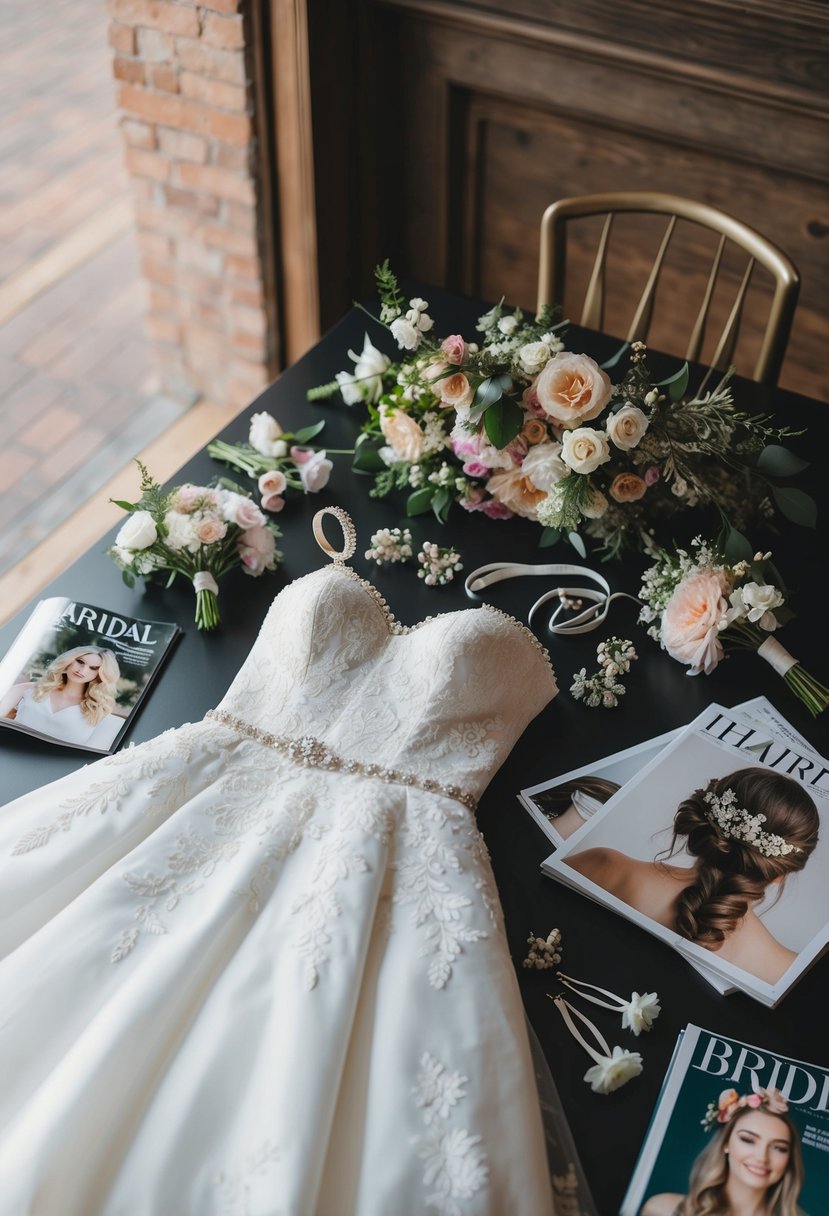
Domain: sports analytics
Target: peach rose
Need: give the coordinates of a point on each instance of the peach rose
(627, 487)
(402, 434)
(690, 622)
(455, 391)
(210, 528)
(534, 431)
(516, 491)
(572, 389)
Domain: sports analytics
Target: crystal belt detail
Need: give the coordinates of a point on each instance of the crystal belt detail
(313, 753)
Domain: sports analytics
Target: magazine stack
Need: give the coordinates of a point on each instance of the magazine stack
(707, 837)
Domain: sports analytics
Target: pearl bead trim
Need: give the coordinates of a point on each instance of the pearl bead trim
(311, 752)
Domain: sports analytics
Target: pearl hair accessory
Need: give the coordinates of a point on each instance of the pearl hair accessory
(736, 823)
(544, 951)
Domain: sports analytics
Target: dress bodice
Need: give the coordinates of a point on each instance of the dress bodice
(450, 695)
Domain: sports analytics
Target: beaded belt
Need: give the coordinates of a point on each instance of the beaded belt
(313, 753)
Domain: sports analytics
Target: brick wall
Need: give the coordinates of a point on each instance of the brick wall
(183, 72)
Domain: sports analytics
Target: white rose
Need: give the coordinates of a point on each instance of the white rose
(180, 532)
(760, 599)
(315, 472)
(544, 466)
(264, 435)
(138, 532)
(533, 356)
(405, 334)
(584, 449)
(627, 426)
(366, 384)
(508, 325)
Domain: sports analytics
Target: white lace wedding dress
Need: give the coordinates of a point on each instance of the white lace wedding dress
(256, 965)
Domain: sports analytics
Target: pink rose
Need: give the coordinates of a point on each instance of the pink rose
(572, 389)
(272, 482)
(186, 497)
(209, 529)
(651, 475)
(474, 468)
(257, 550)
(300, 454)
(496, 510)
(272, 502)
(240, 510)
(454, 348)
(315, 473)
(690, 622)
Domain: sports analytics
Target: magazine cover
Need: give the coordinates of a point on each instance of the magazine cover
(714, 847)
(735, 1128)
(76, 674)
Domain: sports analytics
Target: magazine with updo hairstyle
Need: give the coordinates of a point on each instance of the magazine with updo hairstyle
(733, 873)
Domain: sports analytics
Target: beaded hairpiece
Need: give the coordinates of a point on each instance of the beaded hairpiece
(730, 1102)
(736, 823)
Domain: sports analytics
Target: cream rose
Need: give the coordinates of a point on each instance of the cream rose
(584, 449)
(209, 529)
(402, 434)
(265, 434)
(138, 532)
(690, 622)
(544, 466)
(572, 389)
(627, 426)
(627, 487)
(516, 491)
(455, 391)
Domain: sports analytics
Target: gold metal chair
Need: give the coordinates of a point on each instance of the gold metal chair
(552, 269)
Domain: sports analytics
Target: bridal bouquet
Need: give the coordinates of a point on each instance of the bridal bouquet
(696, 604)
(515, 424)
(280, 460)
(198, 531)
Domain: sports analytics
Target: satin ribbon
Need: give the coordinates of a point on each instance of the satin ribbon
(777, 655)
(203, 580)
(583, 622)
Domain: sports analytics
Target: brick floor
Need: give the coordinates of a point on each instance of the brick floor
(74, 362)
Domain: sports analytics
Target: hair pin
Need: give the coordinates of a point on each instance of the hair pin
(612, 1068)
(638, 1013)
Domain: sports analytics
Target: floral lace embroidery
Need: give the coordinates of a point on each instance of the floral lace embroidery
(96, 797)
(236, 1187)
(455, 1165)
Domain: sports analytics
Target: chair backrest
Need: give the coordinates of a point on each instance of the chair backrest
(786, 280)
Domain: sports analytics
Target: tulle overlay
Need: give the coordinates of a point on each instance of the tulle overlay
(234, 982)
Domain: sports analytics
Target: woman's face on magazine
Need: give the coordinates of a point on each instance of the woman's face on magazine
(84, 667)
(759, 1149)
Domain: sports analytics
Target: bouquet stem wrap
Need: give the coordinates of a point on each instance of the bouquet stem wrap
(207, 604)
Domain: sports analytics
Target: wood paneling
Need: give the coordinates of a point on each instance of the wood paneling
(466, 122)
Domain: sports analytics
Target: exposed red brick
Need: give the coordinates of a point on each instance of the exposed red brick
(158, 272)
(213, 92)
(131, 70)
(252, 295)
(197, 284)
(226, 32)
(155, 47)
(241, 244)
(222, 6)
(154, 246)
(241, 217)
(122, 39)
(243, 268)
(191, 200)
(166, 220)
(208, 315)
(171, 110)
(157, 15)
(138, 134)
(162, 300)
(163, 76)
(222, 183)
(210, 61)
(232, 156)
(198, 256)
(163, 329)
(250, 320)
(254, 346)
(147, 164)
(182, 145)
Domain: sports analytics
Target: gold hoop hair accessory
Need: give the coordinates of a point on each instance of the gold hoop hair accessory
(349, 534)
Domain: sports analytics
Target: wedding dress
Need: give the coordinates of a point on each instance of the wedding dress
(256, 965)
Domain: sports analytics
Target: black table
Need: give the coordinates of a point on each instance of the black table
(599, 946)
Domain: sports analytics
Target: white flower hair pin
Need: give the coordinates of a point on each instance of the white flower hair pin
(604, 687)
(612, 1068)
(390, 545)
(639, 1012)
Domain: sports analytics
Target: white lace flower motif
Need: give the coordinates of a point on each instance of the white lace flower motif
(612, 1071)
(455, 1166)
(437, 1090)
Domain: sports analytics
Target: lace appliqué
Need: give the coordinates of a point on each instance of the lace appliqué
(236, 1187)
(455, 1166)
(97, 797)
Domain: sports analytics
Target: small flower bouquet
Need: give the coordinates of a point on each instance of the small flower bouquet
(279, 460)
(200, 532)
(698, 603)
(514, 424)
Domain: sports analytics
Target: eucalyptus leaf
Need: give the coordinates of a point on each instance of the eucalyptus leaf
(420, 501)
(549, 536)
(577, 543)
(797, 506)
(614, 359)
(676, 384)
(486, 394)
(778, 461)
(503, 421)
(441, 504)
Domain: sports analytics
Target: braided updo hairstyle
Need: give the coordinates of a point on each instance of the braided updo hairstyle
(734, 874)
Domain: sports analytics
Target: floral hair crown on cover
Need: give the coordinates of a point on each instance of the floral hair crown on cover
(736, 823)
(730, 1102)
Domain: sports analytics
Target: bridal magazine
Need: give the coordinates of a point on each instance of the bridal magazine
(712, 1117)
(76, 674)
(735, 788)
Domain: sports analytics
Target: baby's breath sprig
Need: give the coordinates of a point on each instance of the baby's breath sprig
(439, 565)
(390, 545)
(604, 687)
